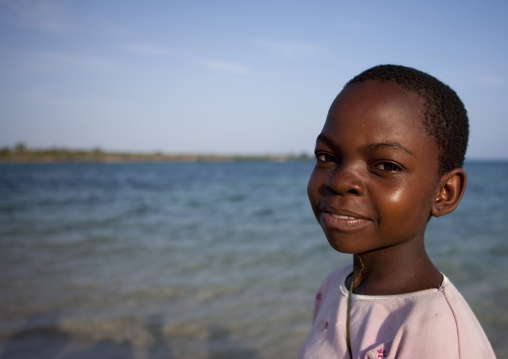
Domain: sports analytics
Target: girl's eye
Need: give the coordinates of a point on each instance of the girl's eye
(324, 157)
(388, 166)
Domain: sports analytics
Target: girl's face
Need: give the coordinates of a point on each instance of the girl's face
(376, 174)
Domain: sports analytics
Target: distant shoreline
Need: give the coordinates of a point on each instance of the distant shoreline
(20, 154)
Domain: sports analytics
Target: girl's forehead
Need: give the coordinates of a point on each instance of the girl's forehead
(387, 102)
(368, 113)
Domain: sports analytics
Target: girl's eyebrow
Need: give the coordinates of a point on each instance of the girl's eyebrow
(392, 145)
(327, 140)
(368, 148)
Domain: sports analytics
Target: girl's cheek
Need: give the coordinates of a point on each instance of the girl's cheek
(313, 185)
(395, 196)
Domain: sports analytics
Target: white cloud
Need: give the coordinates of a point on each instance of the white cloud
(291, 48)
(57, 61)
(47, 15)
(161, 51)
(225, 66)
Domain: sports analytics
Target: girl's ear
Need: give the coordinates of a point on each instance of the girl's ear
(451, 188)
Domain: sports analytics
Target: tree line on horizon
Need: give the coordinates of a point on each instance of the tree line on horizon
(21, 153)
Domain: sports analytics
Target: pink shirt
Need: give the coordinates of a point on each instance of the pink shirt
(433, 323)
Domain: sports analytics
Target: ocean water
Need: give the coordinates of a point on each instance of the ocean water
(201, 260)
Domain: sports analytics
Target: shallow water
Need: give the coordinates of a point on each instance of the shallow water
(201, 260)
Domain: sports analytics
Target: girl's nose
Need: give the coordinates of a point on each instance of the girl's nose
(346, 179)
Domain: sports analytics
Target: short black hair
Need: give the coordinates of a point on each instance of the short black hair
(444, 115)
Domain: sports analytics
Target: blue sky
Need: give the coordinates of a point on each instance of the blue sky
(246, 77)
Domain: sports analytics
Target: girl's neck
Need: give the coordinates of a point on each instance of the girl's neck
(395, 270)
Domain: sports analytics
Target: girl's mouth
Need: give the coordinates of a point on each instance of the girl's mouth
(343, 222)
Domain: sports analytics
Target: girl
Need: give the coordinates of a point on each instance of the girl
(389, 157)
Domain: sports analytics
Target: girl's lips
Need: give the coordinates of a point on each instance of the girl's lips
(342, 222)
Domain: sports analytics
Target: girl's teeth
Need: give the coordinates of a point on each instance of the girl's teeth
(341, 217)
